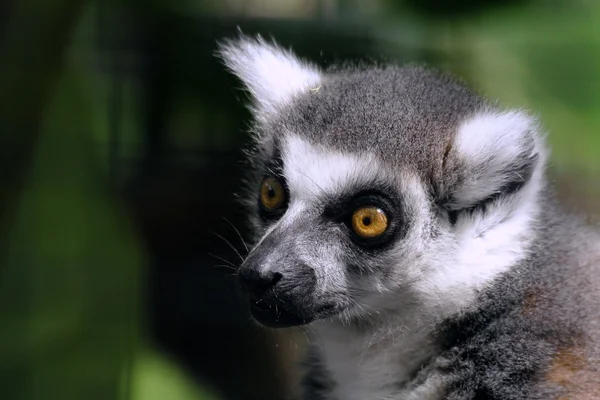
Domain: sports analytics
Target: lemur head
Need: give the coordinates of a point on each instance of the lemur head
(378, 189)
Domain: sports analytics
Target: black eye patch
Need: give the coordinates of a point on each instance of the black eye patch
(341, 211)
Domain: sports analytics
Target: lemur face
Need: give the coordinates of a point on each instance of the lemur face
(335, 228)
(377, 189)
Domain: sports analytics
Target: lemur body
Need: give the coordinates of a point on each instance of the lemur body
(408, 220)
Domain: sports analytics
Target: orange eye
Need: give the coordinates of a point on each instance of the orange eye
(369, 222)
(272, 194)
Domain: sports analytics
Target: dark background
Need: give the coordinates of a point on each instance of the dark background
(121, 150)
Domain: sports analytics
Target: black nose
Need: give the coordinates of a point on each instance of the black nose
(257, 283)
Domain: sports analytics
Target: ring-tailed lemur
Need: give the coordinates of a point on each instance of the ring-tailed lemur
(409, 221)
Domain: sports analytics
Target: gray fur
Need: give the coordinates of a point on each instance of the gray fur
(514, 315)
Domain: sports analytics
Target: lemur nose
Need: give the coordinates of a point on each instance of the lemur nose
(257, 283)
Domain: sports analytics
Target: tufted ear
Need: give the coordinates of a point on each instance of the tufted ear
(493, 154)
(271, 74)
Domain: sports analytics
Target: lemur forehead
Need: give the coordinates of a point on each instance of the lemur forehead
(313, 171)
(403, 115)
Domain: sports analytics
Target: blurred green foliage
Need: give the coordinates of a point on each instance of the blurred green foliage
(71, 275)
(154, 377)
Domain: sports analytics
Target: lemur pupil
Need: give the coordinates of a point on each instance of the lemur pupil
(271, 193)
(366, 221)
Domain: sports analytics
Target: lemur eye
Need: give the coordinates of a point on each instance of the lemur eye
(369, 222)
(272, 194)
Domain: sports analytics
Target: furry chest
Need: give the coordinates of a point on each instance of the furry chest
(363, 370)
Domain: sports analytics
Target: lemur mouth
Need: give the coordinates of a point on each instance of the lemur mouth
(273, 315)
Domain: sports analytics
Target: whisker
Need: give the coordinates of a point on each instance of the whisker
(238, 233)
(232, 265)
(229, 244)
(225, 266)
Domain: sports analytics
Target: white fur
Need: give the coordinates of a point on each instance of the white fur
(482, 248)
(365, 364)
(313, 172)
(484, 245)
(271, 74)
(488, 143)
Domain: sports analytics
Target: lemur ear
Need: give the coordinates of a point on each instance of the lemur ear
(271, 74)
(493, 154)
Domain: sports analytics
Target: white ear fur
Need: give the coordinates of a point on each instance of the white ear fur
(496, 150)
(492, 152)
(271, 74)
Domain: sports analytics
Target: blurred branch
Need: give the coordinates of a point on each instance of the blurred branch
(32, 48)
